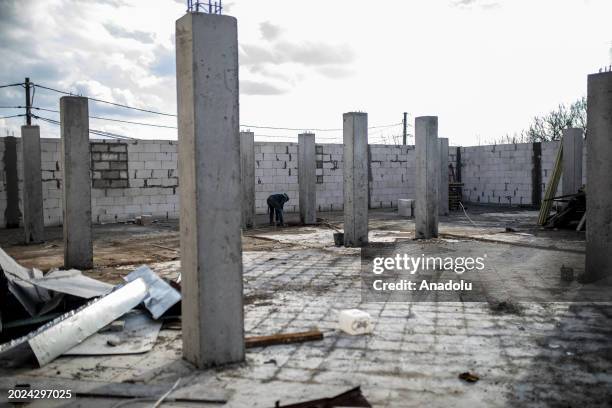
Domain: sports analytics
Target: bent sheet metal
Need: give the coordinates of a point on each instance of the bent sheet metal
(62, 334)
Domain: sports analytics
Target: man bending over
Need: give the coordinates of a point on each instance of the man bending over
(276, 203)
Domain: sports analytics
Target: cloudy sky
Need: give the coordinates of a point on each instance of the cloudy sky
(485, 67)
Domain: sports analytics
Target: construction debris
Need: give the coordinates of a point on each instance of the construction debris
(283, 338)
(160, 295)
(138, 335)
(144, 220)
(73, 282)
(60, 335)
(355, 321)
(469, 377)
(572, 213)
(351, 398)
(79, 328)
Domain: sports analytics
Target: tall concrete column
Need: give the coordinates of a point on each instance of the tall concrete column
(247, 177)
(33, 217)
(307, 178)
(427, 177)
(443, 176)
(355, 128)
(76, 179)
(599, 169)
(572, 160)
(210, 193)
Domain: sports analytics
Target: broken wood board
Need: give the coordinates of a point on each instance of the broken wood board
(283, 338)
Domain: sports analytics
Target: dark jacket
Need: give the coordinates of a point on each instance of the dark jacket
(277, 201)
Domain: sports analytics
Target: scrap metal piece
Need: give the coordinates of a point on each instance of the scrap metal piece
(66, 334)
(73, 282)
(351, 398)
(160, 295)
(19, 283)
(54, 338)
(138, 336)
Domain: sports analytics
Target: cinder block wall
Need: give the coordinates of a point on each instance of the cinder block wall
(392, 170)
(497, 174)
(131, 178)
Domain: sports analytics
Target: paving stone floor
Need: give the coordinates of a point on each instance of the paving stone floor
(539, 354)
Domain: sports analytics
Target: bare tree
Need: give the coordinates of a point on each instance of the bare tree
(550, 126)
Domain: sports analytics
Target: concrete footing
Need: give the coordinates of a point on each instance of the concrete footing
(307, 178)
(599, 169)
(572, 160)
(76, 182)
(443, 175)
(33, 216)
(355, 128)
(210, 192)
(247, 177)
(427, 177)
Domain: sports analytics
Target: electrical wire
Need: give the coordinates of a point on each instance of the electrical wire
(8, 85)
(92, 131)
(103, 101)
(11, 116)
(109, 119)
(314, 130)
(170, 114)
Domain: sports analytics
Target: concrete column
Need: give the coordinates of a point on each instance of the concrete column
(210, 193)
(307, 178)
(76, 182)
(443, 175)
(572, 160)
(355, 125)
(33, 217)
(247, 177)
(427, 177)
(599, 169)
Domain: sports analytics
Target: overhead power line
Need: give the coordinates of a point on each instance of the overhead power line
(11, 116)
(92, 131)
(174, 115)
(103, 101)
(8, 85)
(314, 130)
(111, 119)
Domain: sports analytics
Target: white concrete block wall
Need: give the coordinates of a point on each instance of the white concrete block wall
(497, 174)
(330, 192)
(276, 172)
(392, 174)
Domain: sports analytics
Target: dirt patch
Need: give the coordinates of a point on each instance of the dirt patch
(505, 307)
(258, 298)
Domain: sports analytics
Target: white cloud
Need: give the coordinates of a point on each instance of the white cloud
(485, 67)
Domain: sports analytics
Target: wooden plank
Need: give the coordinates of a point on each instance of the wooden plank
(551, 187)
(283, 338)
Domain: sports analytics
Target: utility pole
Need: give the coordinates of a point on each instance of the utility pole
(27, 105)
(405, 125)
